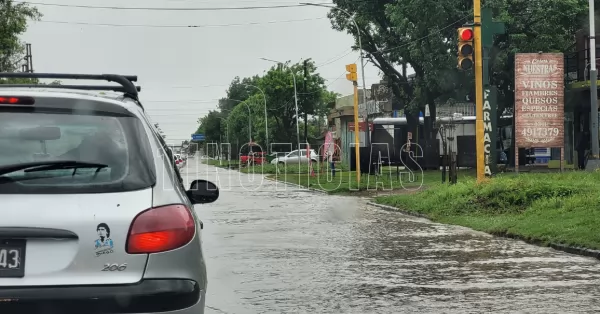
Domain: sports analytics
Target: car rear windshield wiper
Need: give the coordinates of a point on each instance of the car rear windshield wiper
(50, 165)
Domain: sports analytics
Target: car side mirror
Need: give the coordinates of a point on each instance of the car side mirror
(203, 192)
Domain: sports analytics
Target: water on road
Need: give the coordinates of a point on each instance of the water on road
(274, 248)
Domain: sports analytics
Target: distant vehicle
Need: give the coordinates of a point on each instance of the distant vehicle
(252, 154)
(180, 161)
(90, 192)
(297, 157)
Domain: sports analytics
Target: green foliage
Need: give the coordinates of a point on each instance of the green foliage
(13, 23)
(551, 208)
(422, 34)
(532, 27)
(239, 90)
(505, 194)
(210, 126)
(244, 107)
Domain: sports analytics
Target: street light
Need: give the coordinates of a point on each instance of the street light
(362, 63)
(295, 99)
(266, 116)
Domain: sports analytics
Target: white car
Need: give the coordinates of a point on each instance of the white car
(296, 157)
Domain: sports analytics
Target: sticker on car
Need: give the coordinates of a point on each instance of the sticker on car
(104, 244)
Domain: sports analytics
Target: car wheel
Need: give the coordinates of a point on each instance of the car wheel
(281, 163)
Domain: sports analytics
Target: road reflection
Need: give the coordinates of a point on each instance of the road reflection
(270, 250)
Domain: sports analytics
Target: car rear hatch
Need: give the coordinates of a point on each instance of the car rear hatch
(70, 239)
(68, 223)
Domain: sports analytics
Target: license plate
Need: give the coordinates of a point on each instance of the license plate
(12, 258)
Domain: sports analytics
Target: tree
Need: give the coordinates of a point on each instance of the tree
(210, 126)
(239, 89)
(411, 33)
(532, 27)
(422, 34)
(243, 108)
(13, 23)
(278, 84)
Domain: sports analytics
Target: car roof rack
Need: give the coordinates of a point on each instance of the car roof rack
(126, 81)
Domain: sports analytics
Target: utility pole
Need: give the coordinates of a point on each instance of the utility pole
(478, 91)
(305, 101)
(28, 67)
(595, 155)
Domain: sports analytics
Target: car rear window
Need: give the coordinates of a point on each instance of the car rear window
(115, 140)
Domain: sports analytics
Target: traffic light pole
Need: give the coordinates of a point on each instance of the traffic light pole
(479, 91)
(356, 134)
(353, 77)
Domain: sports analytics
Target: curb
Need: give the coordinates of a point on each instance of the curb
(559, 247)
(298, 186)
(397, 210)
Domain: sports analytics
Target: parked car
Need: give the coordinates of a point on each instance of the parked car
(93, 219)
(252, 154)
(296, 157)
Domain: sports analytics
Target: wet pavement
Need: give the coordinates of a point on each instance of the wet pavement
(273, 248)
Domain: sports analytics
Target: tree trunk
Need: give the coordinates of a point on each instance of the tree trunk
(412, 125)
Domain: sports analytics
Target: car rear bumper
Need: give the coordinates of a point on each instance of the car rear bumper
(146, 296)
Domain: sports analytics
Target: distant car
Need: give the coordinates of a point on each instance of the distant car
(296, 157)
(252, 154)
(179, 161)
(95, 217)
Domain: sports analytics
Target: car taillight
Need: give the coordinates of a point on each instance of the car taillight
(9, 100)
(161, 229)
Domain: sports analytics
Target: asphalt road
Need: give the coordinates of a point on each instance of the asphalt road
(273, 248)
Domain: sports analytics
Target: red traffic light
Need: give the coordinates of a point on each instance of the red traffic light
(465, 34)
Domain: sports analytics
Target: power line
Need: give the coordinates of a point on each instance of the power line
(335, 58)
(180, 26)
(163, 8)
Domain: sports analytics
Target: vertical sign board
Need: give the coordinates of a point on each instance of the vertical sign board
(489, 93)
(539, 101)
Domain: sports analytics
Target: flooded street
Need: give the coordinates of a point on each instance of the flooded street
(273, 248)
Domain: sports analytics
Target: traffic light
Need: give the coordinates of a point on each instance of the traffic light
(351, 76)
(465, 48)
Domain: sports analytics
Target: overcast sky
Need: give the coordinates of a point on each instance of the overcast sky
(182, 70)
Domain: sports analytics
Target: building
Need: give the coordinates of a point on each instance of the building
(379, 105)
(341, 120)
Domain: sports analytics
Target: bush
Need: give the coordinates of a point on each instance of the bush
(544, 208)
(504, 194)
